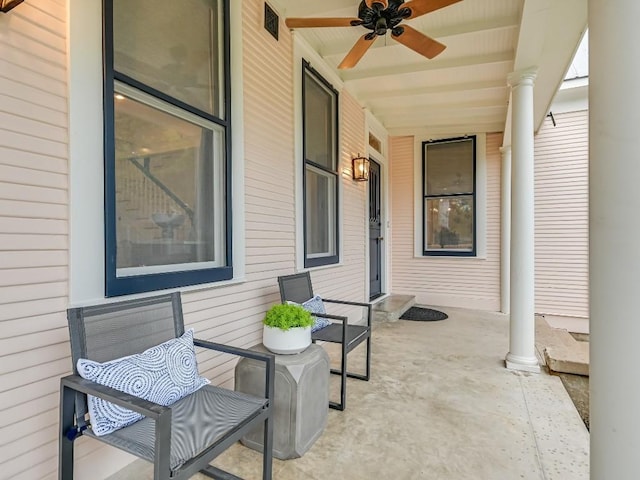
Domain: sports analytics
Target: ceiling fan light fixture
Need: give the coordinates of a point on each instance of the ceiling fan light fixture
(381, 26)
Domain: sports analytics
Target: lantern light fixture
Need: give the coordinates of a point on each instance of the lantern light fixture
(360, 168)
(6, 5)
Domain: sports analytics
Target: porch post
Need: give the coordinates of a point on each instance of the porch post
(522, 354)
(505, 230)
(614, 237)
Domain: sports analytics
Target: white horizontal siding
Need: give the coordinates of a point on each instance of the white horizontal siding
(446, 281)
(34, 346)
(562, 216)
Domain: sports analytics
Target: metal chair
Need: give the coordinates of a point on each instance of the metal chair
(297, 288)
(203, 424)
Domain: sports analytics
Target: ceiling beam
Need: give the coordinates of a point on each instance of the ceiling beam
(434, 132)
(463, 62)
(338, 48)
(443, 111)
(441, 118)
(320, 8)
(549, 36)
(437, 90)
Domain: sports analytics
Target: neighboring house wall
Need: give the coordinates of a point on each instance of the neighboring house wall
(34, 246)
(446, 281)
(562, 216)
(34, 346)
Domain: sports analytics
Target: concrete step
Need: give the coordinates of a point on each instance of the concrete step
(561, 352)
(392, 307)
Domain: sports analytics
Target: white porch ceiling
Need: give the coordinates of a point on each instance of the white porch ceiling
(464, 89)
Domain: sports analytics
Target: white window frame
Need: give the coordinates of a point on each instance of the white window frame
(302, 51)
(481, 198)
(86, 192)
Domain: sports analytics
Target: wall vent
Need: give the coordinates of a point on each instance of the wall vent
(271, 21)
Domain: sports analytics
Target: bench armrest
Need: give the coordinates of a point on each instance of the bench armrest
(122, 399)
(268, 358)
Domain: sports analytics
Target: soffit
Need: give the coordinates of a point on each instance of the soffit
(464, 89)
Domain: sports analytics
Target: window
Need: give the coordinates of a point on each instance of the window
(167, 144)
(320, 146)
(449, 197)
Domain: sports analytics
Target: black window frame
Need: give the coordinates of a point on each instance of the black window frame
(117, 286)
(425, 196)
(330, 259)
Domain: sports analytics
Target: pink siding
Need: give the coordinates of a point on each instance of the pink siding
(34, 252)
(34, 349)
(446, 281)
(233, 314)
(562, 216)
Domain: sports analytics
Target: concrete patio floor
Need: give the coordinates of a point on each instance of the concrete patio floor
(441, 406)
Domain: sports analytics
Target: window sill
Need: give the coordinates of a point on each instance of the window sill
(320, 267)
(450, 257)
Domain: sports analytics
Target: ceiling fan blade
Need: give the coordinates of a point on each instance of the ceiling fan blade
(385, 3)
(420, 7)
(320, 22)
(357, 52)
(419, 42)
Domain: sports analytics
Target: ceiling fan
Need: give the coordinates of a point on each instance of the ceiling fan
(379, 16)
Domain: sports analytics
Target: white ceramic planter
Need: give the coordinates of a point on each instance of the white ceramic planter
(286, 342)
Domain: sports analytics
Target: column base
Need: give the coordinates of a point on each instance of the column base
(522, 364)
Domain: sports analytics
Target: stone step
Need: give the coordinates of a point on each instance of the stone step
(561, 352)
(392, 307)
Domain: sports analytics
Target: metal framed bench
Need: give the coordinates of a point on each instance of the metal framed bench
(201, 425)
(297, 288)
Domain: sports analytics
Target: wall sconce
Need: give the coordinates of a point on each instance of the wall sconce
(6, 5)
(360, 168)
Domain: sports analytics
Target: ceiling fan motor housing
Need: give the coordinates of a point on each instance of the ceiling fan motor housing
(379, 19)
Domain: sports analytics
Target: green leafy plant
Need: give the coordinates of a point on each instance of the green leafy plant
(285, 316)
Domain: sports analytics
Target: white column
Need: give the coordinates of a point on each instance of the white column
(505, 230)
(522, 355)
(614, 238)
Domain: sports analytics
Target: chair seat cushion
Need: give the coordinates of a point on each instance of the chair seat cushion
(197, 421)
(162, 374)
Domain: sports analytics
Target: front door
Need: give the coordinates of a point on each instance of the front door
(375, 230)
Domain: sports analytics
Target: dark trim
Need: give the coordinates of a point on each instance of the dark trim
(132, 82)
(333, 259)
(446, 252)
(160, 281)
(226, 6)
(109, 148)
(114, 285)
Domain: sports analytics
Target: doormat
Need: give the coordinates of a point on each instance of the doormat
(423, 315)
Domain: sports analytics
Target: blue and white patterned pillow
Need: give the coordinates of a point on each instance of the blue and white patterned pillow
(162, 374)
(316, 305)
